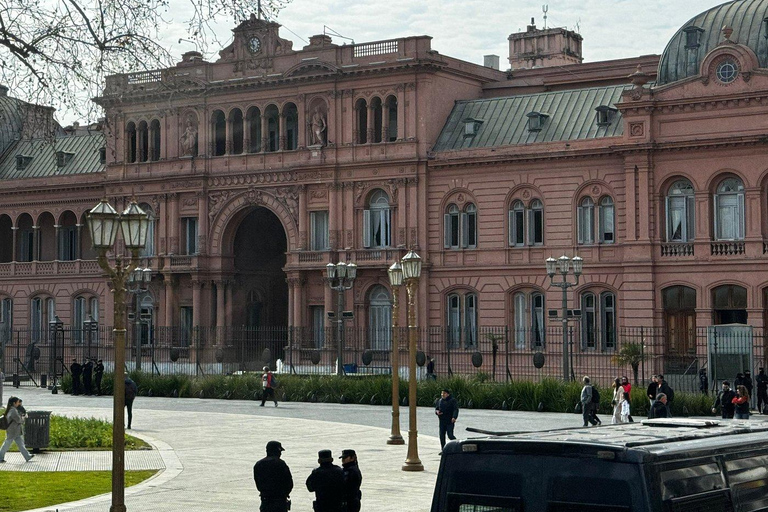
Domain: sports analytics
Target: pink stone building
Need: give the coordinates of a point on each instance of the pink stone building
(267, 163)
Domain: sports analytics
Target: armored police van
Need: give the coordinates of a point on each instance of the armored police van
(663, 465)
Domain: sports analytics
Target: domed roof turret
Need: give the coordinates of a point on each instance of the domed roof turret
(686, 50)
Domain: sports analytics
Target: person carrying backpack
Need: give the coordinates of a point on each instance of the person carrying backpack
(268, 383)
(588, 403)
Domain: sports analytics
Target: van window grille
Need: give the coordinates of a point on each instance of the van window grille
(715, 501)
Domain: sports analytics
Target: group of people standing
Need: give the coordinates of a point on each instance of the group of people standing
(91, 375)
(660, 395)
(336, 488)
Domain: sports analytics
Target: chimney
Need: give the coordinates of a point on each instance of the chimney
(491, 61)
(3, 91)
(537, 48)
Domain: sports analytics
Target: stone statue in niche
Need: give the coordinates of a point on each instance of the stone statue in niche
(318, 127)
(189, 137)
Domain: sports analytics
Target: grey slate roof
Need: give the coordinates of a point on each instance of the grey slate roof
(505, 123)
(85, 157)
(746, 19)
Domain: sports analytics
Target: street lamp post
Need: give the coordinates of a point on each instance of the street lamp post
(340, 277)
(138, 283)
(103, 222)
(562, 265)
(396, 281)
(55, 327)
(411, 273)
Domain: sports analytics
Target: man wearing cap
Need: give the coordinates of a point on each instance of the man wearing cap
(268, 384)
(447, 410)
(273, 480)
(352, 480)
(327, 482)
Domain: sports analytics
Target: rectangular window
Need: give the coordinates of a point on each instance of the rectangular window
(317, 313)
(67, 243)
(78, 319)
(454, 321)
(185, 334)
(537, 227)
(588, 326)
(36, 318)
(517, 227)
(537, 320)
(471, 229)
(520, 326)
(190, 235)
(470, 321)
(608, 320)
(378, 226)
(606, 224)
(454, 220)
(586, 225)
(27, 248)
(319, 231)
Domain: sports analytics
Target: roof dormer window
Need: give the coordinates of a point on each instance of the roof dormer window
(22, 161)
(472, 126)
(536, 121)
(63, 158)
(693, 36)
(604, 115)
(102, 155)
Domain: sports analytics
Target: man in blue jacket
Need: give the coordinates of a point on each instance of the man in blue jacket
(447, 411)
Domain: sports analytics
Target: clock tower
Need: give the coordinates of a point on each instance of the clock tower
(256, 39)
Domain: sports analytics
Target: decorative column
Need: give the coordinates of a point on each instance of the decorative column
(264, 133)
(400, 112)
(197, 287)
(303, 219)
(283, 132)
(298, 301)
(230, 302)
(170, 300)
(57, 238)
(370, 129)
(36, 237)
(15, 232)
(334, 217)
(228, 136)
(202, 222)
(79, 245)
(221, 313)
(173, 222)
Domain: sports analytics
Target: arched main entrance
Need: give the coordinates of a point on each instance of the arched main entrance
(261, 293)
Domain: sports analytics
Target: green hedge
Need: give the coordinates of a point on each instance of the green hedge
(475, 392)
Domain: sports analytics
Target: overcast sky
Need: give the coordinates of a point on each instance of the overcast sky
(469, 29)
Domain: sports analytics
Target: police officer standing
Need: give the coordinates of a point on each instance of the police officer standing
(98, 374)
(88, 377)
(327, 482)
(273, 480)
(76, 369)
(352, 480)
(762, 389)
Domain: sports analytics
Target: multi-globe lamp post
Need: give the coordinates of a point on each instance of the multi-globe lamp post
(411, 264)
(396, 281)
(103, 222)
(340, 276)
(562, 266)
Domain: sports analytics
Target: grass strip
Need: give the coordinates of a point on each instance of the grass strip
(25, 491)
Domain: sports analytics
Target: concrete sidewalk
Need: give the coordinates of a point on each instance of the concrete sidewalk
(208, 448)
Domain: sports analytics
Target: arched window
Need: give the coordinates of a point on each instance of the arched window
(680, 212)
(679, 321)
(598, 321)
(130, 143)
(586, 220)
(219, 133)
(154, 140)
(68, 243)
(376, 221)
(236, 123)
(528, 315)
(254, 130)
(461, 316)
(451, 227)
(361, 118)
(149, 248)
(517, 224)
(607, 225)
(291, 117)
(390, 118)
(376, 111)
(729, 210)
(536, 223)
(273, 128)
(143, 136)
(454, 320)
(380, 318)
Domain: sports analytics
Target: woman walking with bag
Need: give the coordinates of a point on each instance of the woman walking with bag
(14, 420)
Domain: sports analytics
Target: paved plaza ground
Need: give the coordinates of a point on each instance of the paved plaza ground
(206, 449)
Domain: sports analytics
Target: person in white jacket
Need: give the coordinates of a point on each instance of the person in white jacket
(625, 412)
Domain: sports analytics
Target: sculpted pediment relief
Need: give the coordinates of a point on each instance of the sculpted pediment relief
(312, 68)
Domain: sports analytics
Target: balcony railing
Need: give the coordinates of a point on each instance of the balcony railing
(727, 248)
(181, 261)
(49, 268)
(311, 257)
(677, 249)
(376, 255)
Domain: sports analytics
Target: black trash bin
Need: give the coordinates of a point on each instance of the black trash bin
(37, 430)
(43, 381)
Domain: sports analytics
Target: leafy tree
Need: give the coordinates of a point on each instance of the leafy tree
(631, 354)
(57, 52)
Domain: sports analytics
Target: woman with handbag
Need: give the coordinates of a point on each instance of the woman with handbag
(14, 421)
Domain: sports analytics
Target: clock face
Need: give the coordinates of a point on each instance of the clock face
(254, 45)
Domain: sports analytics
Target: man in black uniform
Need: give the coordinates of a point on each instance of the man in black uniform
(273, 480)
(447, 410)
(76, 369)
(327, 482)
(352, 480)
(762, 389)
(88, 377)
(724, 400)
(98, 374)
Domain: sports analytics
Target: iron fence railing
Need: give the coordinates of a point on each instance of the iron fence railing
(691, 360)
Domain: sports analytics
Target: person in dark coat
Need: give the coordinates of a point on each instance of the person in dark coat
(273, 480)
(352, 480)
(653, 388)
(762, 389)
(739, 380)
(431, 369)
(703, 382)
(660, 407)
(447, 411)
(724, 400)
(98, 374)
(88, 377)
(668, 391)
(76, 369)
(131, 390)
(327, 482)
(748, 384)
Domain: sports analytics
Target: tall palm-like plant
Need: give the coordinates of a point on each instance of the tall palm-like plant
(630, 354)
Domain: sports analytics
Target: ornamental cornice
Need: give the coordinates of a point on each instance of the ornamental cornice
(693, 105)
(288, 196)
(253, 179)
